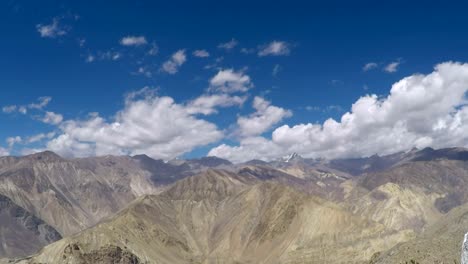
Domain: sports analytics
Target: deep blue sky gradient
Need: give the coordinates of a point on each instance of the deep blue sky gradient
(332, 40)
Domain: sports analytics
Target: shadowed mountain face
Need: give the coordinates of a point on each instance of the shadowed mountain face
(22, 233)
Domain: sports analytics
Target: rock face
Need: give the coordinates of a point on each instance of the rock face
(22, 233)
(104, 255)
(464, 254)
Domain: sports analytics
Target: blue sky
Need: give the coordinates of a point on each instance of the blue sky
(73, 52)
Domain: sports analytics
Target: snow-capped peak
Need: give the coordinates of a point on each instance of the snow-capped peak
(290, 157)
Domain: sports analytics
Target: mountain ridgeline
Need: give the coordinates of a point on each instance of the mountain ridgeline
(118, 209)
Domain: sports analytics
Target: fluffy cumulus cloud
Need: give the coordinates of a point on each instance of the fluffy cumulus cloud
(420, 111)
(230, 81)
(173, 64)
(275, 48)
(265, 116)
(148, 124)
(134, 41)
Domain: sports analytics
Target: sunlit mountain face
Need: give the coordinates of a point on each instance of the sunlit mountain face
(247, 132)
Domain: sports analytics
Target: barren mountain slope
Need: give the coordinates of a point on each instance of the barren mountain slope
(441, 243)
(447, 178)
(221, 217)
(71, 195)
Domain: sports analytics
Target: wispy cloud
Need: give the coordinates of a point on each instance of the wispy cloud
(201, 53)
(275, 48)
(369, 66)
(172, 65)
(392, 67)
(133, 41)
(23, 109)
(276, 69)
(53, 30)
(228, 45)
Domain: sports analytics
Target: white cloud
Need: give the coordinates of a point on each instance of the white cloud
(110, 55)
(11, 141)
(4, 152)
(207, 104)
(133, 41)
(30, 151)
(52, 30)
(420, 111)
(247, 50)
(23, 109)
(215, 64)
(142, 70)
(90, 58)
(9, 109)
(275, 48)
(52, 118)
(154, 50)
(230, 81)
(153, 125)
(81, 42)
(249, 148)
(369, 66)
(42, 102)
(201, 53)
(173, 64)
(39, 137)
(228, 45)
(265, 116)
(392, 67)
(276, 69)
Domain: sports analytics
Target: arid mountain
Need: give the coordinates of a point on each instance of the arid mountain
(443, 177)
(22, 233)
(295, 210)
(71, 195)
(441, 243)
(222, 217)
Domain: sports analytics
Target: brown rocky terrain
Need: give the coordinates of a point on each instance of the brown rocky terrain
(140, 210)
(222, 217)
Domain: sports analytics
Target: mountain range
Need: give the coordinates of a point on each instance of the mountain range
(120, 209)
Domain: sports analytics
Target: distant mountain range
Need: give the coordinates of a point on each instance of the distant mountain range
(120, 209)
